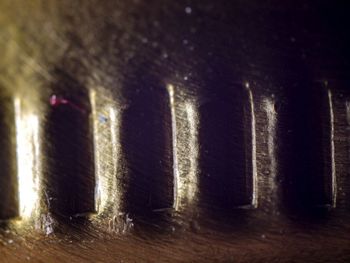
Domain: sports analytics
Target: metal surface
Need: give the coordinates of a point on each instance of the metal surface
(174, 131)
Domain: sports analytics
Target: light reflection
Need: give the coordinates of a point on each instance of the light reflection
(269, 106)
(334, 179)
(192, 180)
(96, 155)
(184, 119)
(106, 147)
(254, 166)
(174, 146)
(28, 160)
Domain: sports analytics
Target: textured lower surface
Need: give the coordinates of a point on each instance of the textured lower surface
(270, 242)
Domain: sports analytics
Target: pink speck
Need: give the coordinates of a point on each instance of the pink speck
(57, 101)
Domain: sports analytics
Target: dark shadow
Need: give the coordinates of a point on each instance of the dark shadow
(8, 165)
(225, 138)
(304, 143)
(70, 181)
(146, 139)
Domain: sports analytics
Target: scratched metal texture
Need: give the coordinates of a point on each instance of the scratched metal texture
(174, 131)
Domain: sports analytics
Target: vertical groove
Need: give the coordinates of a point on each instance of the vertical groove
(334, 179)
(227, 136)
(69, 149)
(148, 149)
